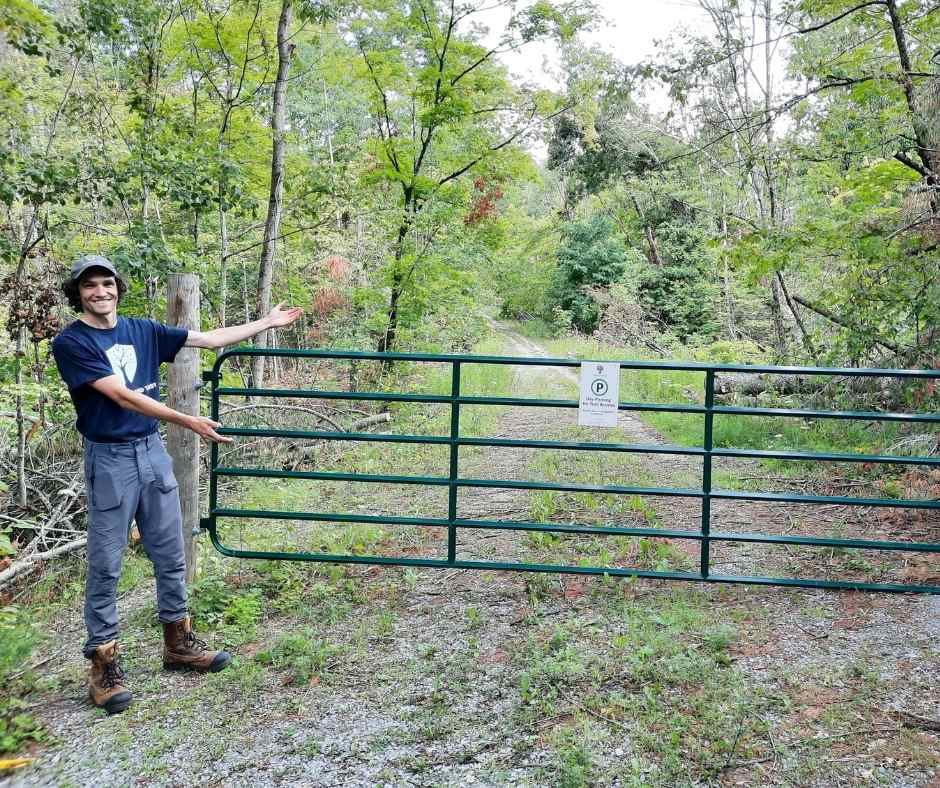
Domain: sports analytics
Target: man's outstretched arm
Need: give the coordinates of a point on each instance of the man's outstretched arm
(112, 387)
(232, 335)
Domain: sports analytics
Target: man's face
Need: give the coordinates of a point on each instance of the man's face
(98, 292)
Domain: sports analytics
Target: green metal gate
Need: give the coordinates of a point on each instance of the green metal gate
(453, 481)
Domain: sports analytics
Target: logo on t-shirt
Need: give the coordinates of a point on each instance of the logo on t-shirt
(123, 361)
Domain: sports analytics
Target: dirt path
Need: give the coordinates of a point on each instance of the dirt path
(427, 678)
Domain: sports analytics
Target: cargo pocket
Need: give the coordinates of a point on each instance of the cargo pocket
(165, 478)
(106, 493)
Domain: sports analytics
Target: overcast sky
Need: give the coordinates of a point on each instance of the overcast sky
(629, 32)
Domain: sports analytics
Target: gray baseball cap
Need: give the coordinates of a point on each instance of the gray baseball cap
(87, 261)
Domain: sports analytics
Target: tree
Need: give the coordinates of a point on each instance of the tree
(442, 109)
(589, 256)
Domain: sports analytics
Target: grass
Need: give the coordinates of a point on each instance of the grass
(18, 639)
(656, 676)
(742, 432)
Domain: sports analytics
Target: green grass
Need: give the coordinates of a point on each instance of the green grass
(743, 432)
(301, 655)
(656, 675)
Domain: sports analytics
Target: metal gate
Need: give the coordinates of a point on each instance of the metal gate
(706, 493)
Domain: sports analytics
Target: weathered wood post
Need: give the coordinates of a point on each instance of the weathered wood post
(182, 307)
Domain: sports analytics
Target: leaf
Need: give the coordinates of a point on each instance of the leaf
(6, 546)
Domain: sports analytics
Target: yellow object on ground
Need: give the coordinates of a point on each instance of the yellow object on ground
(6, 764)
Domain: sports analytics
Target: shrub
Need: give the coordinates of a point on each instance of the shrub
(589, 256)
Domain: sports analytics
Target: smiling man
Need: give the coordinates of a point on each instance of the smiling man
(111, 365)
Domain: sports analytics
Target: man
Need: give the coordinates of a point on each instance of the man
(111, 366)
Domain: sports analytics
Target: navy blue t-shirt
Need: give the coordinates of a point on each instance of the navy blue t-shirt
(133, 350)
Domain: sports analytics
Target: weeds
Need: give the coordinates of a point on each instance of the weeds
(302, 655)
(17, 641)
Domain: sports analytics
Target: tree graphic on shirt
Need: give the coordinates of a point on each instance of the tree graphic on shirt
(123, 360)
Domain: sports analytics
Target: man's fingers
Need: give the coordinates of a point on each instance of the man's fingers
(205, 428)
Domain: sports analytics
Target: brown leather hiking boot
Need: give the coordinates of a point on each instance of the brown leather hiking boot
(182, 650)
(106, 680)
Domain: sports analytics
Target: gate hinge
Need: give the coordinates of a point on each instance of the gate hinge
(204, 524)
(209, 376)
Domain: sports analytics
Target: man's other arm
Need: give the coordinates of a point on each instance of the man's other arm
(232, 335)
(112, 387)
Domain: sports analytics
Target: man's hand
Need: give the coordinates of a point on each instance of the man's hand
(280, 317)
(205, 429)
(232, 335)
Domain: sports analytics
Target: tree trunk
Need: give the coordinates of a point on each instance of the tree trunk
(650, 234)
(285, 51)
(387, 340)
(780, 329)
(807, 341)
(838, 320)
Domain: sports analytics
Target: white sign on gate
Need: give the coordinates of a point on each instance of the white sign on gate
(600, 394)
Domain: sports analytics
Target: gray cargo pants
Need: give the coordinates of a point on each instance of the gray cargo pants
(127, 481)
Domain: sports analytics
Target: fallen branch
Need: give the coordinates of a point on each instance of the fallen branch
(909, 720)
(845, 323)
(378, 418)
(32, 563)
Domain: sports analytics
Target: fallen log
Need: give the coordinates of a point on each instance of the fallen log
(378, 418)
(35, 560)
(752, 384)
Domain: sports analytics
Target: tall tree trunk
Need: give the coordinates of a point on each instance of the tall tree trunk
(650, 234)
(780, 329)
(387, 340)
(285, 52)
(921, 131)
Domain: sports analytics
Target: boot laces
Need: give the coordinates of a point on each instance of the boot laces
(194, 643)
(113, 674)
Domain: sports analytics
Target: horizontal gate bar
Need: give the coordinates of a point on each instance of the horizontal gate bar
(718, 410)
(505, 484)
(264, 473)
(568, 569)
(633, 448)
(715, 536)
(836, 585)
(257, 432)
(589, 529)
(378, 519)
(826, 456)
(860, 415)
(900, 503)
(687, 366)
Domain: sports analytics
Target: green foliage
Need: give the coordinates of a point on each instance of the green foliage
(216, 602)
(17, 641)
(589, 256)
(680, 294)
(302, 655)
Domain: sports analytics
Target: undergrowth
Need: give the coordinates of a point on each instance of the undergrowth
(18, 638)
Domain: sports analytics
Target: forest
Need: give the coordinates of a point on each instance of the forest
(763, 190)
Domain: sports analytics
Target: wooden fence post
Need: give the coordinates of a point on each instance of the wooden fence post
(182, 306)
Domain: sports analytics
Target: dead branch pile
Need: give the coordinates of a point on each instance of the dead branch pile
(626, 324)
(52, 523)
